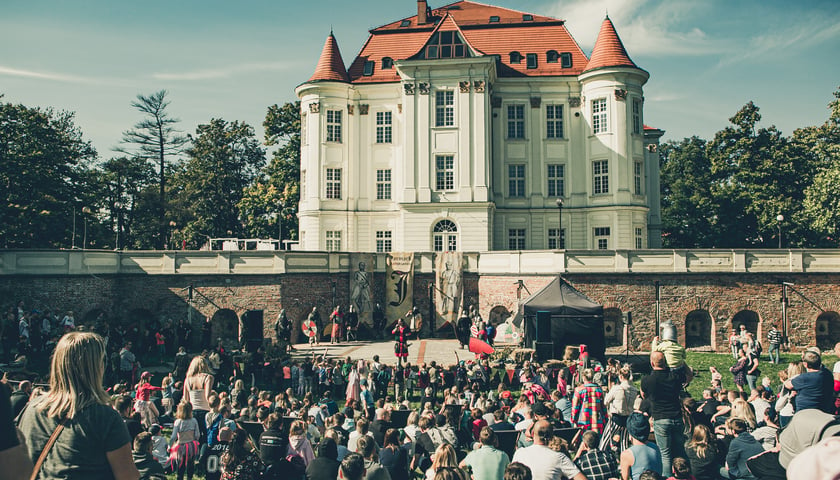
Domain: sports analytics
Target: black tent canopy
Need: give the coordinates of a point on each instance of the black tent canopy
(575, 319)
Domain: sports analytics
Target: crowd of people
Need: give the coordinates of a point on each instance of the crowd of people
(326, 418)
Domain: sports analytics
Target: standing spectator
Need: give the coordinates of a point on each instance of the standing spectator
(240, 461)
(735, 343)
(487, 462)
(619, 404)
(94, 442)
(739, 370)
(160, 341)
(127, 364)
(662, 389)
(545, 463)
(588, 404)
(68, 323)
(184, 442)
(774, 340)
(742, 447)
(752, 372)
(815, 387)
(595, 464)
(198, 387)
(143, 400)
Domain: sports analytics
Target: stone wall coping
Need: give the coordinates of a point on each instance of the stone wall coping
(532, 262)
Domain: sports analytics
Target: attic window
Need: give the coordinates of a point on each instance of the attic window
(368, 68)
(515, 57)
(527, 17)
(531, 59)
(552, 56)
(387, 63)
(566, 60)
(405, 23)
(446, 44)
(494, 19)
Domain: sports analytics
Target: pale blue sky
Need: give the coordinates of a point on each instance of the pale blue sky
(232, 60)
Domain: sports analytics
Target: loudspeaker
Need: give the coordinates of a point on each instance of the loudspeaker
(252, 329)
(544, 350)
(543, 327)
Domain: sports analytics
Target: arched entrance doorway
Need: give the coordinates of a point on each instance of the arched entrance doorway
(698, 329)
(613, 327)
(224, 325)
(748, 319)
(828, 330)
(498, 314)
(138, 325)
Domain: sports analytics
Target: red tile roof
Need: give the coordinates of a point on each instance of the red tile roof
(608, 50)
(330, 66)
(511, 33)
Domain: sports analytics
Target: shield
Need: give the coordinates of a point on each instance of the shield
(309, 328)
(474, 330)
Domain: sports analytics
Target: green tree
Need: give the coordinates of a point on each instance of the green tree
(123, 180)
(282, 129)
(822, 202)
(44, 174)
(222, 162)
(155, 139)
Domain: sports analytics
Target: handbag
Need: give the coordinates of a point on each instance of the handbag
(47, 449)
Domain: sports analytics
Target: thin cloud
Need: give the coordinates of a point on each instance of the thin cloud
(51, 76)
(809, 33)
(223, 72)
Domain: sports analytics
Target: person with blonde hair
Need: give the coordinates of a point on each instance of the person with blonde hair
(198, 387)
(444, 456)
(184, 441)
(703, 454)
(92, 439)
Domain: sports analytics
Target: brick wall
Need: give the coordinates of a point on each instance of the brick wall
(722, 296)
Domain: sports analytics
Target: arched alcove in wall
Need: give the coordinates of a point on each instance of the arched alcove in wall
(225, 325)
(498, 314)
(613, 327)
(827, 330)
(698, 329)
(750, 320)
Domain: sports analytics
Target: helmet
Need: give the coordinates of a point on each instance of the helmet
(668, 331)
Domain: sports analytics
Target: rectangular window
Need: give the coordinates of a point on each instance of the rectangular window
(552, 239)
(444, 108)
(333, 243)
(516, 121)
(637, 115)
(600, 176)
(602, 238)
(638, 238)
(334, 126)
(554, 121)
(516, 180)
(556, 180)
(383, 241)
(383, 127)
(637, 178)
(334, 183)
(516, 239)
(383, 184)
(566, 60)
(303, 136)
(368, 69)
(599, 115)
(445, 172)
(531, 60)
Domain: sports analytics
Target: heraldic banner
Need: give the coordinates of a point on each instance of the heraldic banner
(361, 286)
(449, 287)
(399, 285)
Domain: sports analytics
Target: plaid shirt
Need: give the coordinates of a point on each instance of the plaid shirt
(598, 465)
(588, 408)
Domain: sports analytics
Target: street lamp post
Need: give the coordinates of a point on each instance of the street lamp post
(280, 227)
(86, 211)
(559, 203)
(172, 226)
(780, 218)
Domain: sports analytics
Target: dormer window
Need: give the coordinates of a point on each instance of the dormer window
(552, 56)
(527, 17)
(446, 44)
(494, 19)
(515, 57)
(566, 60)
(387, 63)
(531, 60)
(405, 23)
(368, 68)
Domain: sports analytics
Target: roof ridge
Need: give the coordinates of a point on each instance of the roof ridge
(496, 6)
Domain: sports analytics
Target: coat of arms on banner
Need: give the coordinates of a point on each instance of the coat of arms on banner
(399, 285)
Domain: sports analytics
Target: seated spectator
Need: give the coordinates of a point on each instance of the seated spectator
(806, 428)
(642, 454)
(486, 462)
(501, 422)
(373, 469)
(545, 463)
(159, 445)
(144, 460)
(444, 457)
(766, 434)
(593, 463)
(352, 467)
(394, 458)
(325, 465)
(517, 471)
(240, 461)
(681, 470)
(299, 444)
(742, 447)
(703, 454)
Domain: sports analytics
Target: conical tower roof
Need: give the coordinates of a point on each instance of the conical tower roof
(330, 65)
(608, 51)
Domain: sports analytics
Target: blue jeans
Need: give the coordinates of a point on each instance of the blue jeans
(774, 349)
(751, 379)
(670, 440)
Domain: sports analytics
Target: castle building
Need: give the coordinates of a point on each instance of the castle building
(471, 127)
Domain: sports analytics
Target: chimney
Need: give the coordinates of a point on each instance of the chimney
(422, 6)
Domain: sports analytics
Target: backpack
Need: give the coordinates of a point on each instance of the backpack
(213, 431)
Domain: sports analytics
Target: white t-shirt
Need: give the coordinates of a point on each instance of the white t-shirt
(837, 367)
(545, 463)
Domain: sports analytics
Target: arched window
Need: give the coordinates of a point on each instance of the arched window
(551, 56)
(445, 236)
(515, 57)
(698, 329)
